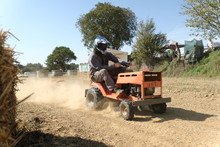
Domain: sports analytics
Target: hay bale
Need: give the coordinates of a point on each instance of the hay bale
(8, 100)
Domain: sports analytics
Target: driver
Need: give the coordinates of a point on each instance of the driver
(98, 63)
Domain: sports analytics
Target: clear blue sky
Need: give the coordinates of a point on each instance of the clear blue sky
(42, 25)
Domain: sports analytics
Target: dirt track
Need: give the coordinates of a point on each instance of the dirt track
(57, 116)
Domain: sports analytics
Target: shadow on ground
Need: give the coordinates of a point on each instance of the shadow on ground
(171, 114)
(40, 139)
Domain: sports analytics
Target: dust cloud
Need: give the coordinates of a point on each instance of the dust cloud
(64, 92)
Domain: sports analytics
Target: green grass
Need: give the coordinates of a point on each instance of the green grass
(209, 66)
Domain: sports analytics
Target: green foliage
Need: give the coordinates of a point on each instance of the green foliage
(148, 44)
(162, 66)
(207, 67)
(117, 25)
(60, 59)
(72, 66)
(174, 68)
(203, 17)
(31, 67)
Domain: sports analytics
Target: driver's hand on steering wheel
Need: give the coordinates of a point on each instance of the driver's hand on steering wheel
(118, 65)
(128, 64)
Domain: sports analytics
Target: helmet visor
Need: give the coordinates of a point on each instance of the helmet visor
(102, 46)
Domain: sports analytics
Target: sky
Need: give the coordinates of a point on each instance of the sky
(43, 25)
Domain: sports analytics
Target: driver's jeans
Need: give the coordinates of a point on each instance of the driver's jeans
(107, 76)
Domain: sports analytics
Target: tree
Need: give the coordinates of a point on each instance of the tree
(72, 66)
(148, 44)
(117, 25)
(204, 17)
(60, 58)
(30, 67)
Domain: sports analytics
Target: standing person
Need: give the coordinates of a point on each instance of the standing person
(100, 70)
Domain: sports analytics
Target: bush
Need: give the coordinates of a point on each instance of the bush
(209, 66)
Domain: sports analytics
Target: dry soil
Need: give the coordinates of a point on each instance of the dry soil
(56, 115)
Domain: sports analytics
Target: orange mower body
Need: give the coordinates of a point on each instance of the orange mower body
(141, 89)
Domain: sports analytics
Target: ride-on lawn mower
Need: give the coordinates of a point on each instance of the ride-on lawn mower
(141, 89)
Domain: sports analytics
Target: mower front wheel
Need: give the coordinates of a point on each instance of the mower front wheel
(126, 110)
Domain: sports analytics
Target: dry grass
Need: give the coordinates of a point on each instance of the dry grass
(8, 100)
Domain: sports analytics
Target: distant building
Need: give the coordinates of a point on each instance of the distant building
(83, 67)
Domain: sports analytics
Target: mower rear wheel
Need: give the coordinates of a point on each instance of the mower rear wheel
(159, 108)
(126, 110)
(94, 98)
